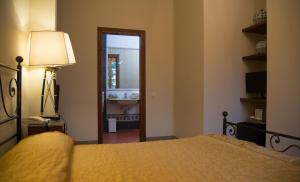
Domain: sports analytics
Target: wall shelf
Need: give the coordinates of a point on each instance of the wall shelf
(255, 57)
(253, 100)
(260, 28)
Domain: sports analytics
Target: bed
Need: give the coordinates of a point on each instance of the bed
(54, 157)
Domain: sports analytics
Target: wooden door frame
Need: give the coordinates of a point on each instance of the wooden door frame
(142, 104)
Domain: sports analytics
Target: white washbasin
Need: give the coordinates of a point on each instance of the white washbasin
(123, 101)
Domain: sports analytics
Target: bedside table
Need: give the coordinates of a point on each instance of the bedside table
(34, 129)
(57, 125)
(52, 125)
(248, 131)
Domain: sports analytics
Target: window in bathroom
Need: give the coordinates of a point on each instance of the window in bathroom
(113, 71)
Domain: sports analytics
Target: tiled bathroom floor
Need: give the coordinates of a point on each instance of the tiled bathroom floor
(125, 136)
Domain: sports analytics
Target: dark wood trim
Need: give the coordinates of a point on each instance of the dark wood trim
(255, 57)
(99, 85)
(259, 28)
(117, 31)
(142, 86)
(257, 100)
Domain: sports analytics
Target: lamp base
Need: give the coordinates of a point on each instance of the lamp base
(49, 85)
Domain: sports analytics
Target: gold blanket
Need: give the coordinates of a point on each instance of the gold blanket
(201, 158)
(52, 157)
(44, 157)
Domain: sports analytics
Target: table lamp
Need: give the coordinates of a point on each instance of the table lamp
(51, 50)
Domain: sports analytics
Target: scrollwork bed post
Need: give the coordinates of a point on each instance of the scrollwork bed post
(274, 136)
(19, 60)
(225, 114)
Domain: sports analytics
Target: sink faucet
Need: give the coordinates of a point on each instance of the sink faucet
(125, 95)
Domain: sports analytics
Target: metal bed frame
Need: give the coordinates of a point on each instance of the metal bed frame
(15, 86)
(275, 137)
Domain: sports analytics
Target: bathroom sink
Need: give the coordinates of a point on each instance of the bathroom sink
(123, 101)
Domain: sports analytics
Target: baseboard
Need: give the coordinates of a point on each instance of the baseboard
(161, 138)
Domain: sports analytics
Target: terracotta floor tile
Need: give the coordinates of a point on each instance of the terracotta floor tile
(125, 136)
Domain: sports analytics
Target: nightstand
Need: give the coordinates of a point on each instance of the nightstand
(57, 125)
(249, 131)
(52, 125)
(34, 129)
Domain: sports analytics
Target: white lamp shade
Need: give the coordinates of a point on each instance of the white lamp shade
(49, 48)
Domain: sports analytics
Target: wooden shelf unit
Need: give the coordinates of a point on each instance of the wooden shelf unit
(253, 100)
(255, 57)
(260, 28)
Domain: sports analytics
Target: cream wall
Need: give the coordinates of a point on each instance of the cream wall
(188, 68)
(224, 70)
(79, 82)
(260, 4)
(283, 104)
(209, 72)
(14, 20)
(42, 14)
(17, 18)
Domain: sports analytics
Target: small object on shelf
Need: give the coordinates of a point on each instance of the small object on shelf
(260, 16)
(253, 120)
(261, 47)
(258, 114)
(112, 96)
(52, 117)
(34, 120)
(135, 95)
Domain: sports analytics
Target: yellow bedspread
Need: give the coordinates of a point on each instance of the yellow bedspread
(202, 158)
(44, 157)
(53, 157)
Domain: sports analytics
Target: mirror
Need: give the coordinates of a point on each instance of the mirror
(123, 68)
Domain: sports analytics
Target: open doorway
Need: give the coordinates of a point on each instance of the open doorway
(121, 85)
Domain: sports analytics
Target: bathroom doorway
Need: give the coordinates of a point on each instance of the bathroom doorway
(121, 85)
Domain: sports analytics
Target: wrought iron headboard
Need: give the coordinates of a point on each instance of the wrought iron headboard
(13, 91)
(231, 129)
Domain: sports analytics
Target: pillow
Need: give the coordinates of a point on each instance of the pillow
(43, 157)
